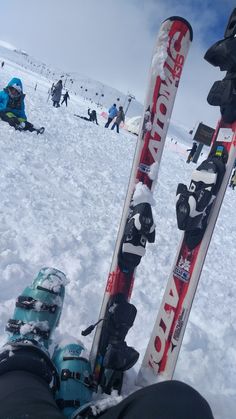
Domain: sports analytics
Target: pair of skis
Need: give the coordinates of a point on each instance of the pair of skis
(197, 210)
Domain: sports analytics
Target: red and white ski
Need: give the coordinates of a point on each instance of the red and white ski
(168, 59)
(197, 210)
(165, 342)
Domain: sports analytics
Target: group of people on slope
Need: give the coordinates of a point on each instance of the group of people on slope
(117, 114)
(12, 107)
(113, 112)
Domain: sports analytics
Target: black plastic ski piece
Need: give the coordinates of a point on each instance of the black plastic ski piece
(40, 130)
(116, 354)
(223, 54)
(112, 380)
(231, 26)
(194, 203)
(29, 303)
(13, 326)
(139, 229)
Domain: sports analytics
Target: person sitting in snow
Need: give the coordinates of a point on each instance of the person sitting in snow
(12, 107)
(92, 116)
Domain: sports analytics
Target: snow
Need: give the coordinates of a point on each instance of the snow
(61, 201)
(105, 403)
(160, 55)
(142, 194)
(54, 282)
(29, 327)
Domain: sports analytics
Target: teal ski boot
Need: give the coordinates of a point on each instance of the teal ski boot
(37, 313)
(75, 376)
(38, 309)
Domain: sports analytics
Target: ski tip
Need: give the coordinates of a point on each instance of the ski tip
(181, 19)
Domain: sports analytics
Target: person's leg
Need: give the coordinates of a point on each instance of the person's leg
(166, 400)
(29, 127)
(25, 376)
(76, 381)
(12, 120)
(84, 117)
(113, 126)
(117, 128)
(108, 122)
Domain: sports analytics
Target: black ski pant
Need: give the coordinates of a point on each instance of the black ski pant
(115, 125)
(165, 400)
(14, 122)
(86, 119)
(25, 395)
(108, 122)
(64, 100)
(26, 373)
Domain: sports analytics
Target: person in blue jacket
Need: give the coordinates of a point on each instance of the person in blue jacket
(112, 113)
(12, 107)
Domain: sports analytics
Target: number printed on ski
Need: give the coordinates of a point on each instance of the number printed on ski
(197, 209)
(110, 355)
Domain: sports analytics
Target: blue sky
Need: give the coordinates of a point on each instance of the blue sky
(112, 41)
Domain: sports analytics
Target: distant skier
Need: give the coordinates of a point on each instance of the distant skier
(56, 94)
(66, 96)
(233, 180)
(192, 152)
(112, 113)
(3, 63)
(12, 107)
(92, 116)
(57, 384)
(120, 118)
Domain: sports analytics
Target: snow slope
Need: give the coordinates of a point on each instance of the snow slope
(61, 200)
